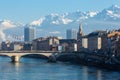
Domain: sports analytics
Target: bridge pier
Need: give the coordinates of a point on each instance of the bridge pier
(52, 58)
(15, 58)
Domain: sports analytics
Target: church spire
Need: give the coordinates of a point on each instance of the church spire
(80, 28)
(80, 32)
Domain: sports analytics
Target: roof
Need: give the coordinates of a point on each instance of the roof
(96, 33)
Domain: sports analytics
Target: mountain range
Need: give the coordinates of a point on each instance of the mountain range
(56, 24)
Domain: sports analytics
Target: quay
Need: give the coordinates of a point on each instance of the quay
(110, 62)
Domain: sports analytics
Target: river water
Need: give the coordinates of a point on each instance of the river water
(39, 69)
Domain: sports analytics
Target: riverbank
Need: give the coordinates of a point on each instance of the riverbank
(90, 59)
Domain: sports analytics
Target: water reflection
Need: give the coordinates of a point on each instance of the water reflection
(17, 64)
(38, 69)
(85, 73)
(90, 73)
(99, 75)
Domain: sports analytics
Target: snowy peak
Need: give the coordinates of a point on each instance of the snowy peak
(59, 19)
(114, 11)
(114, 7)
(37, 22)
(92, 13)
(111, 13)
(66, 18)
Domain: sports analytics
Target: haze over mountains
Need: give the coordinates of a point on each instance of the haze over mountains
(56, 24)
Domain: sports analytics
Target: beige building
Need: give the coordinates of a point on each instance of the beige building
(49, 43)
(18, 47)
(84, 42)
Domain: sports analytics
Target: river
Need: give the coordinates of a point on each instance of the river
(39, 69)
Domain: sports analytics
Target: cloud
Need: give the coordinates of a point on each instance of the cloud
(37, 22)
(60, 19)
(92, 14)
(5, 24)
(2, 35)
(66, 21)
(55, 32)
(55, 22)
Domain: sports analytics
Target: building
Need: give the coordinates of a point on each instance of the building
(80, 34)
(47, 44)
(68, 45)
(16, 46)
(29, 34)
(84, 42)
(118, 47)
(71, 34)
(27, 46)
(114, 42)
(97, 40)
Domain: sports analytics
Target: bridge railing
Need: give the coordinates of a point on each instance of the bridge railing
(30, 51)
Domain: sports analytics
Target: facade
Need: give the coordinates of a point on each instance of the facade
(94, 43)
(80, 34)
(49, 43)
(118, 47)
(29, 34)
(84, 43)
(16, 46)
(114, 42)
(97, 40)
(68, 45)
(27, 46)
(71, 34)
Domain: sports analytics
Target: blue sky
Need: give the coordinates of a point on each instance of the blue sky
(26, 11)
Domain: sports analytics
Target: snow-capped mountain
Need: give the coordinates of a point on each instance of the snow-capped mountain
(56, 24)
(110, 14)
(63, 19)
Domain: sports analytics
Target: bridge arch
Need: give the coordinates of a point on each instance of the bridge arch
(8, 56)
(35, 56)
(5, 56)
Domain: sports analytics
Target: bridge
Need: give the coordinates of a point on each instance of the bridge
(15, 55)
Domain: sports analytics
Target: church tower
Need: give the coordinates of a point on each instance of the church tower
(80, 34)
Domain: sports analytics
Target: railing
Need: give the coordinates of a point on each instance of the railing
(30, 51)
